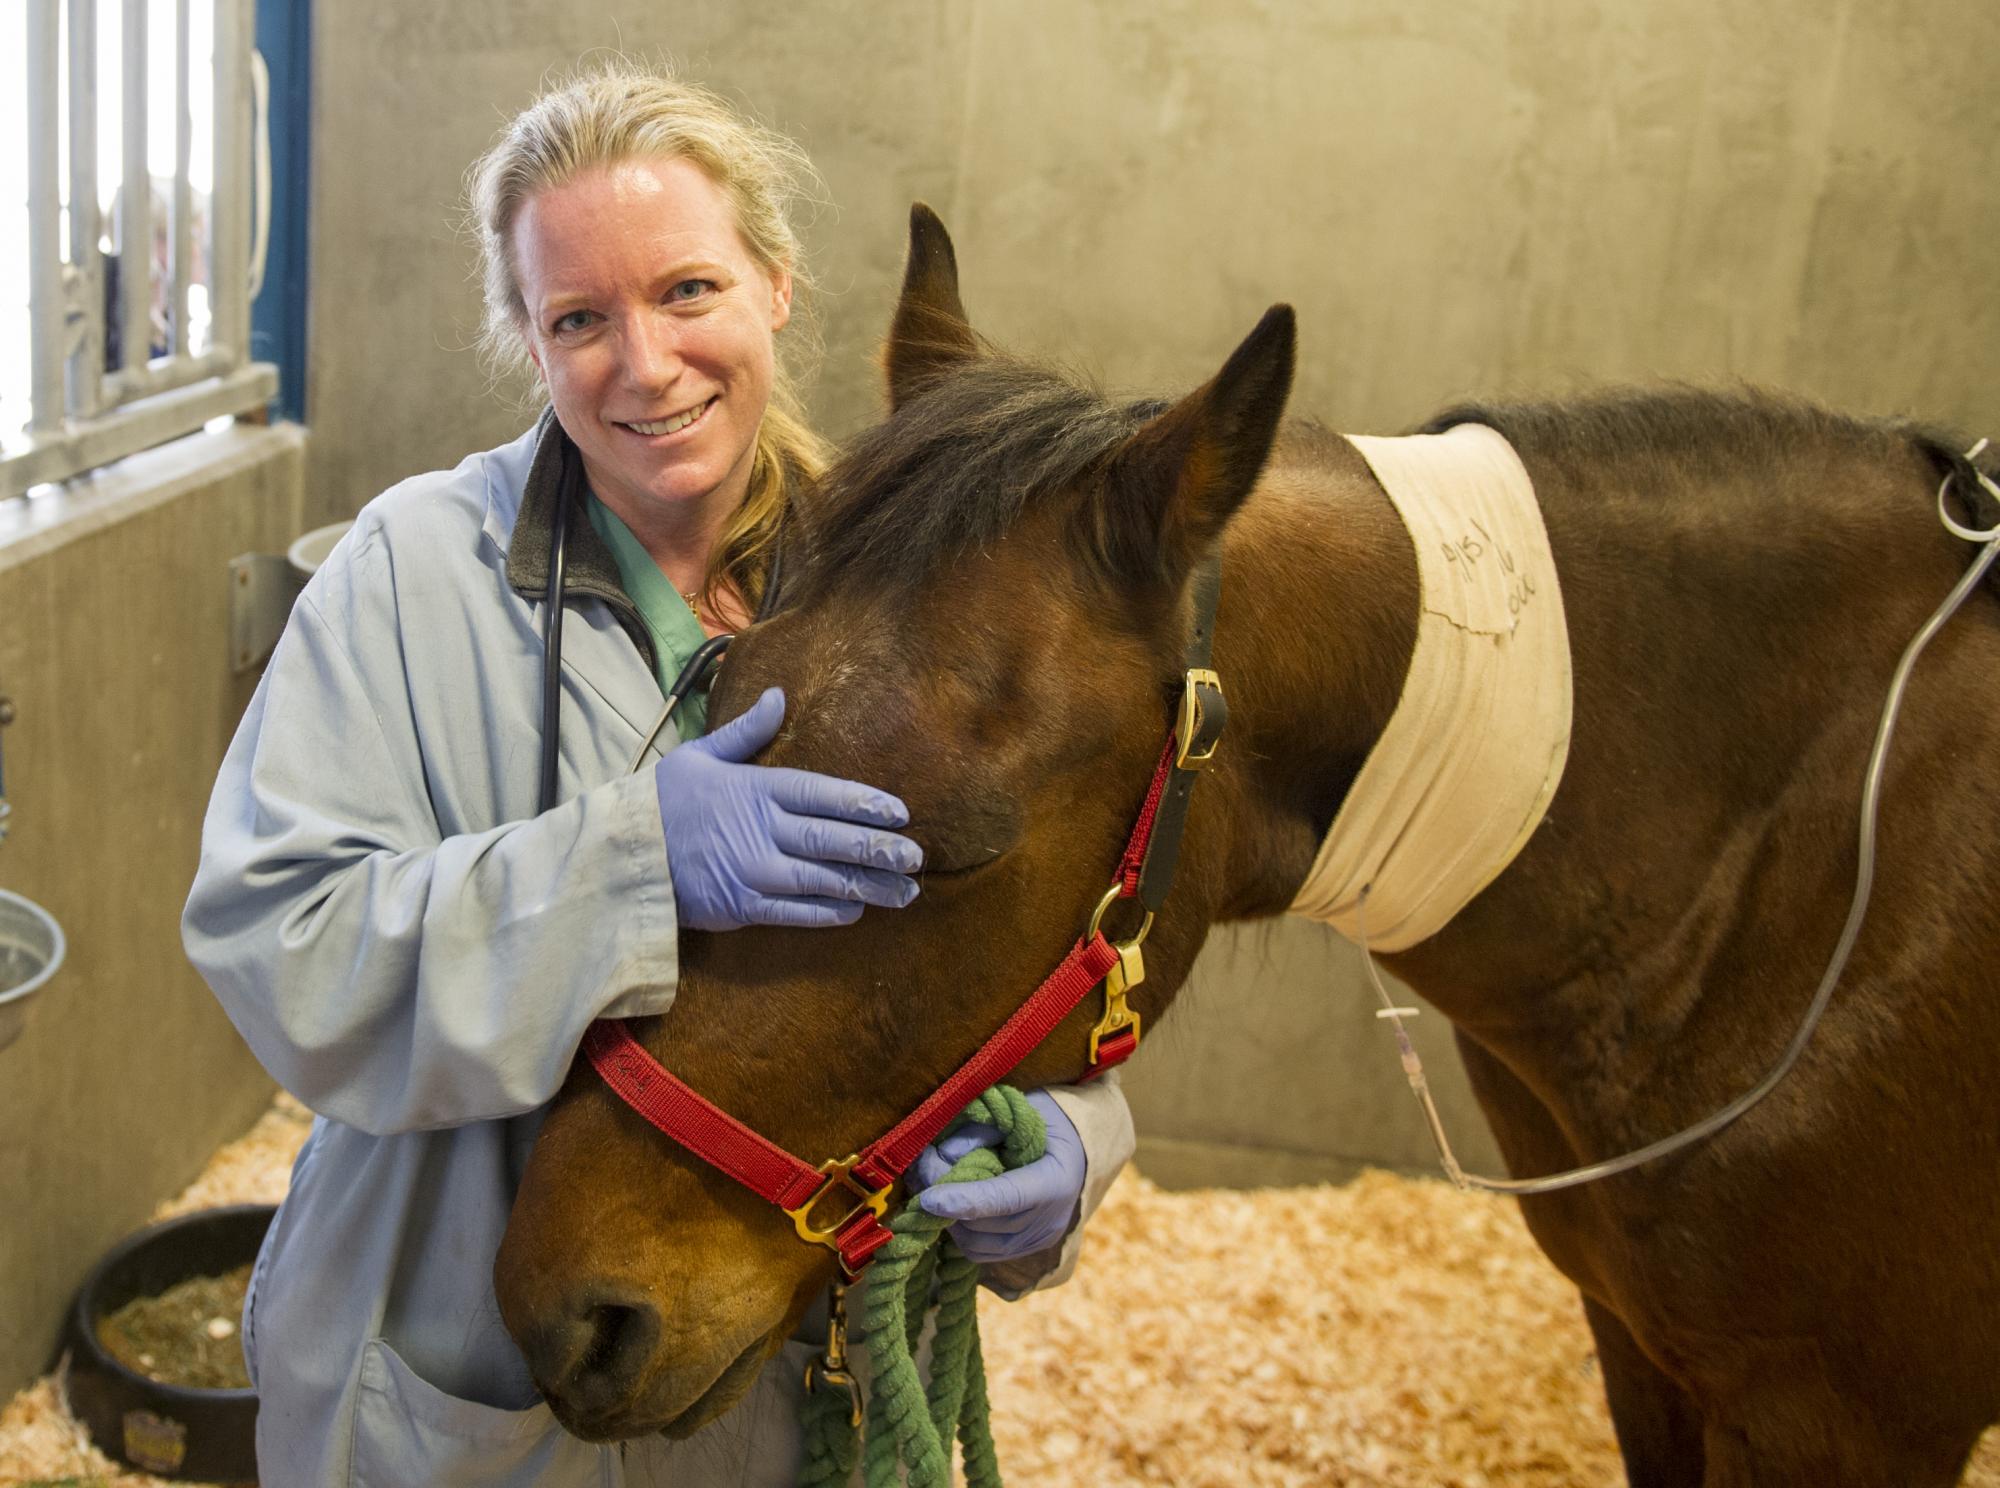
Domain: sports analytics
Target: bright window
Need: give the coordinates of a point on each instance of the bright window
(129, 122)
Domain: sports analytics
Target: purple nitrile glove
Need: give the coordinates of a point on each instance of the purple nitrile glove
(1018, 1213)
(757, 845)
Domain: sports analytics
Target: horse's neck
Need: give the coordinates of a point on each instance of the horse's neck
(1702, 719)
(1318, 621)
(1318, 626)
(1316, 633)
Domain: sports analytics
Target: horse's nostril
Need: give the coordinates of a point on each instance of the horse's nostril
(612, 1328)
(594, 1362)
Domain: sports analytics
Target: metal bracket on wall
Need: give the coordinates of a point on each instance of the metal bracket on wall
(6, 717)
(262, 587)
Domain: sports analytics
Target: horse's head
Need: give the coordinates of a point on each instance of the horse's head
(987, 617)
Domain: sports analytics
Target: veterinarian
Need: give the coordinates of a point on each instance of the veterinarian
(409, 942)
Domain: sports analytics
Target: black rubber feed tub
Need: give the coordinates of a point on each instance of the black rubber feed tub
(170, 1431)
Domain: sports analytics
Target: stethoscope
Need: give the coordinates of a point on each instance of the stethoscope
(694, 674)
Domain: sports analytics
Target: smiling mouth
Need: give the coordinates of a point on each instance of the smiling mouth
(674, 425)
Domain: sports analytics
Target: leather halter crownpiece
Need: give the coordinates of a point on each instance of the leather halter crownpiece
(1145, 871)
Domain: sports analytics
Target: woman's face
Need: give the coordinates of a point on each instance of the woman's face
(652, 326)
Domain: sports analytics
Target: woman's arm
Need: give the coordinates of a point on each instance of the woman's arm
(390, 976)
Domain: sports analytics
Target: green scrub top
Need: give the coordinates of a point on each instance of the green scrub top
(676, 633)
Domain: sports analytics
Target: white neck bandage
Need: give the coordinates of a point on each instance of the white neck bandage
(1460, 779)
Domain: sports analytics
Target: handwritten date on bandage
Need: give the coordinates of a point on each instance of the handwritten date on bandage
(1474, 548)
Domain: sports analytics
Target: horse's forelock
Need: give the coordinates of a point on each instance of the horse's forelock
(953, 470)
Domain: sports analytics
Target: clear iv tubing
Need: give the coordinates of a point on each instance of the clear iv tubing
(1864, 877)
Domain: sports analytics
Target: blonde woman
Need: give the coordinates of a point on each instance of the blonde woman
(411, 944)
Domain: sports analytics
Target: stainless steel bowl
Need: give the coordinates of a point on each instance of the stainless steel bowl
(31, 950)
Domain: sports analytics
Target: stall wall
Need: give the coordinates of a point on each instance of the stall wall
(1503, 195)
(1500, 196)
(114, 649)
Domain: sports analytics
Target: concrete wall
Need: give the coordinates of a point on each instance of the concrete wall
(114, 626)
(1501, 195)
(1505, 195)
(1498, 195)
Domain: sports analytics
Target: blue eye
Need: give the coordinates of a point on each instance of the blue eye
(576, 320)
(690, 289)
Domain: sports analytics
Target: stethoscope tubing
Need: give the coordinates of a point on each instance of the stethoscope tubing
(706, 656)
(552, 619)
(691, 675)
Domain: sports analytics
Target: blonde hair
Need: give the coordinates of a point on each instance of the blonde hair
(621, 111)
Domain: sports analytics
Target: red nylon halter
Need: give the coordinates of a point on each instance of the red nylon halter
(1144, 873)
(799, 1188)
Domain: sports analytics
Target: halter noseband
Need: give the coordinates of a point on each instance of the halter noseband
(855, 1189)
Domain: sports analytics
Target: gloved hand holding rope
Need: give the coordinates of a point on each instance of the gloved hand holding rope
(1021, 1212)
(905, 1426)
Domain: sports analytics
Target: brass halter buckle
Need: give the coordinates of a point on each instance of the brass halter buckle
(1187, 724)
(839, 1174)
(1122, 978)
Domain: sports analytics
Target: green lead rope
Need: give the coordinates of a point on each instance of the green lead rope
(909, 1431)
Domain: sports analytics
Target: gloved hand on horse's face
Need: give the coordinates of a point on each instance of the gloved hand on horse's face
(1019, 1213)
(756, 845)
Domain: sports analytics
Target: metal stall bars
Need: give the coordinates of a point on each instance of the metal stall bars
(83, 412)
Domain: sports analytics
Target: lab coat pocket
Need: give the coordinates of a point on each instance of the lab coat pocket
(408, 1431)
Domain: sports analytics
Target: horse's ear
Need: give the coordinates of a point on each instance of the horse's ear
(930, 333)
(1174, 484)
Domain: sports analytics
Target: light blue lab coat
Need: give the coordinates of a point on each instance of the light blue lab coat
(415, 953)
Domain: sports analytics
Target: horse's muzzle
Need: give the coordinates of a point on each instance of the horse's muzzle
(590, 1359)
(609, 1372)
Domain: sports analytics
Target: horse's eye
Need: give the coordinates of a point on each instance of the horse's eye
(965, 835)
(946, 864)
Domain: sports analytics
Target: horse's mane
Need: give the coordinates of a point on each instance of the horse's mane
(1705, 429)
(964, 457)
(953, 470)
(1668, 419)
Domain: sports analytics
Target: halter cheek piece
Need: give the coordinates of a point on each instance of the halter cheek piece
(840, 1204)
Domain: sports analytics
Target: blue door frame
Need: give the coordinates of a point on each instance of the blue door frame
(278, 318)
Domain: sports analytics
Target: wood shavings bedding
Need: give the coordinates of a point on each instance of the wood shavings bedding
(1387, 1332)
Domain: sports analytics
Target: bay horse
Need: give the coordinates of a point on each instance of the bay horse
(987, 615)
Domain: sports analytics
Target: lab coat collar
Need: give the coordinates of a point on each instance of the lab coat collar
(606, 649)
(589, 568)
